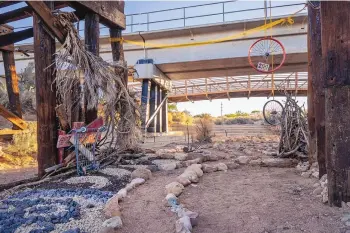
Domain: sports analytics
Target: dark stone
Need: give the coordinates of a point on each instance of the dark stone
(89, 206)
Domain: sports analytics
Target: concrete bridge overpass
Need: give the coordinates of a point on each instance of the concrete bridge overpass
(223, 59)
(214, 70)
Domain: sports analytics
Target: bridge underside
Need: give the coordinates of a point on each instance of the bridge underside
(295, 62)
(234, 94)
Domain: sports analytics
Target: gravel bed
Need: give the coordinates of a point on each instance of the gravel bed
(91, 221)
(117, 172)
(97, 181)
(133, 166)
(164, 161)
(38, 210)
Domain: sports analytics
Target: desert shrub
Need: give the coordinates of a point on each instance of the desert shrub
(219, 121)
(4, 99)
(172, 108)
(22, 150)
(180, 117)
(204, 128)
(237, 114)
(24, 142)
(240, 121)
(28, 101)
(203, 115)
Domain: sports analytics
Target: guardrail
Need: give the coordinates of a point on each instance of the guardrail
(214, 13)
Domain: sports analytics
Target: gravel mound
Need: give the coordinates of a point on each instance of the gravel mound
(98, 181)
(118, 172)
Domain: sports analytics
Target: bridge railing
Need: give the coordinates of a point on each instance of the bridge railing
(206, 14)
(250, 83)
(291, 82)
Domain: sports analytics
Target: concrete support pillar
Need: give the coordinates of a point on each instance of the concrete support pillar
(159, 115)
(144, 102)
(152, 106)
(164, 113)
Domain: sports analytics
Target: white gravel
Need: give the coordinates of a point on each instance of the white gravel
(134, 166)
(27, 228)
(118, 172)
(91, 221)
(98, 181)
(60, 208)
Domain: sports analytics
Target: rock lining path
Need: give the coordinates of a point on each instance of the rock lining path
(244, 200)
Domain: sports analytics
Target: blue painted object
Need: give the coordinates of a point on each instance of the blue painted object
(12, 211)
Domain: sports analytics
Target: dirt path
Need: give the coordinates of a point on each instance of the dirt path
(246, 200)
(144, 210)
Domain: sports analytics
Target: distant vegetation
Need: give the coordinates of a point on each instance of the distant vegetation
(184, 117)
(239, 117)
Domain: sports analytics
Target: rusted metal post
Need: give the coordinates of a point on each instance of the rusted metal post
(335, 32)
(92, 36)
(44, 49)
(317, 84)
(310, 91)
(12, 83)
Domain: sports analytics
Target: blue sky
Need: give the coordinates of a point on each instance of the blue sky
(136, 7)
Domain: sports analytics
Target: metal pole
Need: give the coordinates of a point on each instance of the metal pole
(147, 21)
(184, 17)
(223, 12)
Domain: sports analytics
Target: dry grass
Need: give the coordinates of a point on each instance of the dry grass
(22, 150)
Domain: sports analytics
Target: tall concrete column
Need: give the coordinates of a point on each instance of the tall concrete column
(144, 102)
(152, 106)
(159, 115)
(164, 113)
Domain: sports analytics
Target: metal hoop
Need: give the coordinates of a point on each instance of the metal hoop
(266, 52)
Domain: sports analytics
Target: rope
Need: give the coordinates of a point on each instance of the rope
(264, 27)
(224, 39)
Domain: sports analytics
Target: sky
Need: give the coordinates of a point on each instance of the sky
(138, 7)
(214, 107)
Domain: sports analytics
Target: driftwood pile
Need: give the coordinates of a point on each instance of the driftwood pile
(294, 130)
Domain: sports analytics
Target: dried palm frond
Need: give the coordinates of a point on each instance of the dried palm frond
(98, 82)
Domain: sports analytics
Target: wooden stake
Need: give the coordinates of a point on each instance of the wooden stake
(44, 49)
(335, 28)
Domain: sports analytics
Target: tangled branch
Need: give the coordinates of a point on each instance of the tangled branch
(294, 129)
(84, 80)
